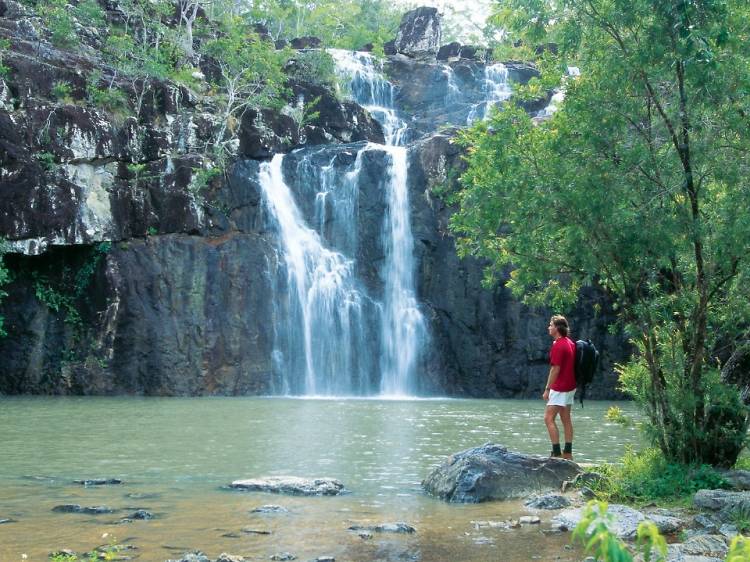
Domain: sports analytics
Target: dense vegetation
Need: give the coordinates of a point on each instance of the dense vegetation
(637, 185)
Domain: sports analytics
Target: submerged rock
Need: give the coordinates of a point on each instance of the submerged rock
(194, 556)
(547, 501)
(283, 556)
(626, 521)
(270, 508)
(398, 527)
(76, 508)
(99, 482)
(3, 521)
(492, 472)
(291, 485)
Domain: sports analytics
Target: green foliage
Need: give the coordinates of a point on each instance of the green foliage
(46, 160)
(108, 98)
(64, 293)
(345, 24)
(647, 476)
(739, 549)
(61, 91)
(615, 415)
(202, 178)
(58, 20)
(89, 13)
(316, 67)
(595, 534)
(636, 186)
(251, 74)
(4, 46)
(740, 518)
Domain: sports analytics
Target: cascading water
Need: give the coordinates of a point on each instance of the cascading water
(496, 89)
(403, 328)
(323, 339)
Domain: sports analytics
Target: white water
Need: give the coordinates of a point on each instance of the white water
(322, 332)
(369, 88)
(404, 333)
(496, 89)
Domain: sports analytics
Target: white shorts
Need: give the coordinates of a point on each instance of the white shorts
(561, 398)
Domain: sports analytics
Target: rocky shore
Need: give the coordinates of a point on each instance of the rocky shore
(554, 493)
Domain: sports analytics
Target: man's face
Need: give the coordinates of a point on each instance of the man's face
(552, 329)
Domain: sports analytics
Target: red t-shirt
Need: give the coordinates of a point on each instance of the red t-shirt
(563, 354)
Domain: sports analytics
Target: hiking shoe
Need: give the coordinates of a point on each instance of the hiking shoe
(567, 456)
(553, 455)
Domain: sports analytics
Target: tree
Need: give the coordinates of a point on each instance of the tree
(638, 185)
(251, 73)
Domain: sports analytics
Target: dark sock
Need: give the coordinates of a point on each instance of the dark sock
(556, 449)
(568, 448)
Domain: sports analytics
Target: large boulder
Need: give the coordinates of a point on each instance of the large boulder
(419, 33)
(492, 472)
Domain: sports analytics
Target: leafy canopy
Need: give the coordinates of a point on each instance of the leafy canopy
(638, 185)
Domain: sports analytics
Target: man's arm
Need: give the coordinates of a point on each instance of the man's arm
(554, 370)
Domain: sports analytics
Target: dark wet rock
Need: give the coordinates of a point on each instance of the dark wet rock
(448, 51)
(142, 496)
(307, 42)
(398, 527)
(63, 552)
(231, 535)
(194, 556)
(492, 472)
(324, 559)
(364, 535)
(626, 520)
(282, 556)
(291, 485)
(270, 508)
(547, 501)
(419, 32)
(141, 515)
(587, 493)
(99, 482)
(389, 48)
(88, 510)
(4, 520)
(251, 531)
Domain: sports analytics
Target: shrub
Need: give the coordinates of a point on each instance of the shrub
(647, 476)
(315, 67)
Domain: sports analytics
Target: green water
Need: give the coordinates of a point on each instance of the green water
(175, 454)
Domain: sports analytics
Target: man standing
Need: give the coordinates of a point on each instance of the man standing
(561, 386)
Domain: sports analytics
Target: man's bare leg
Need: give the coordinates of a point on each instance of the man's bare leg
(567, 422)
(550, 413)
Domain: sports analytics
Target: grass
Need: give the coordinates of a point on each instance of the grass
(646, 477)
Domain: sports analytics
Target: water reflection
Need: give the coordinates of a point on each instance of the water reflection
(175, 454)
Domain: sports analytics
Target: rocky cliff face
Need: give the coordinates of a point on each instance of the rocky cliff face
(133, 273)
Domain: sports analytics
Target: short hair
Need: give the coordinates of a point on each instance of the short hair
(561, 324)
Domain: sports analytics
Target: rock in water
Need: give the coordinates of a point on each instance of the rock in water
(491, 472)
(419, 33)
(98, 482)
(292, 485)
(547, 501)
(398, 527)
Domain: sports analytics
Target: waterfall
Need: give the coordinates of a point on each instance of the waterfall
(496, 89)
(324, 340)
(369, 88)
(404, 331)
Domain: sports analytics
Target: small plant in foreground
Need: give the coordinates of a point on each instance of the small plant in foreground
(616, 415)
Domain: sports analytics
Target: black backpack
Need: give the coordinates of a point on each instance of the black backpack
(587, 360)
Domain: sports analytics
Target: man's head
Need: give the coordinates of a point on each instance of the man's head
(558, 326)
